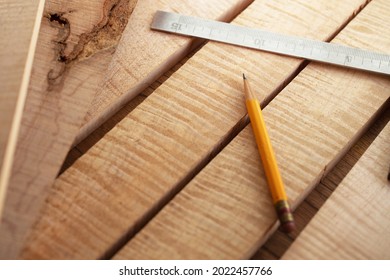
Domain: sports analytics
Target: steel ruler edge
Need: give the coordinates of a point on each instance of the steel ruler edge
(272, 42)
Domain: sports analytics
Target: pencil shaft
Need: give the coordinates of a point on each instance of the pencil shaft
(268, 159)
(264, 144)
(265, 150)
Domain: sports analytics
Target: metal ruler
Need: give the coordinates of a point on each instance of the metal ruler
(272, 42)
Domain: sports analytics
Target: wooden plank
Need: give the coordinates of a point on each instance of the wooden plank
(82, 147)
(103, 199)
(63, 82)
(19, 23)
(279, 242)
(358, 211)
(226, 211)
(122, 83)
(73, 54)
(46, 128)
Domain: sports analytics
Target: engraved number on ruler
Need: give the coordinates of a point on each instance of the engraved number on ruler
(272, 42)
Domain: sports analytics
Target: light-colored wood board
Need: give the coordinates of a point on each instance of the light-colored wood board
(227, 217)
(226, 211)
(358, 211)
(19, 23)
(279, 242)
(82, 147)
(122, 82)
(115, 187)
(65, 79)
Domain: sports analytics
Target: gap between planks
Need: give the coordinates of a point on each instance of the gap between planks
(289, 60)
(84, 142)
(117, 90)
(279, 242)
(84, 145)
(51, 121)
(138, 248)
(358, 212)
(94, 137)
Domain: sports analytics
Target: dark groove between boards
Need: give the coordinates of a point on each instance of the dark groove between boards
(225, 140)
(308, 209)
(81, 148)
(88, 142)
(332, 183)
(217, 149)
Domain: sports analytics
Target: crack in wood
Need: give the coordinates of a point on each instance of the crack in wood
(105, 35)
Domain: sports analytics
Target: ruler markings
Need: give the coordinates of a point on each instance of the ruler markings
(272, 42)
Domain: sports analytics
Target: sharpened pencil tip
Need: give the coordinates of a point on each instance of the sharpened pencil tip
(243, 76)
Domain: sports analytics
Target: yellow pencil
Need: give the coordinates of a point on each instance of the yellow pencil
(268, 159)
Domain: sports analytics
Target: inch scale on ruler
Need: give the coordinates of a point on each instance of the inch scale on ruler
(271, 42)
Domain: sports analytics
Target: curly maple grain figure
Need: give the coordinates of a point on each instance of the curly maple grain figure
(359, 212)
(122, 82)
(225, 211)
(19, 30)
(54, 112)
(112, 191)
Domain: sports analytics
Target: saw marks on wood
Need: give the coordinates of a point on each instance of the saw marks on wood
(109, 193)
(226, 211)
(358, 211)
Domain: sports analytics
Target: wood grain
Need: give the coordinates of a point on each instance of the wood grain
(279, 242)
(19, 23)
(358, 211)
(75, 47)
(226, 211)
(109, 193)
(82, 147)
(122, 83)
(64, 80)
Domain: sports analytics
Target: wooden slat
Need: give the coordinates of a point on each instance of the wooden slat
(226, 211)
(66, 73)
(57, 97)
(19, 23)
(75, 47)
(358, 211)
(122, 83)
(279, 242)
(82, 147)
(113, 189)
